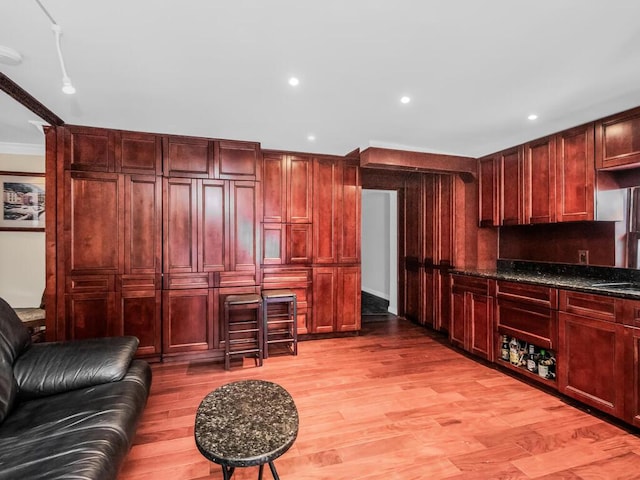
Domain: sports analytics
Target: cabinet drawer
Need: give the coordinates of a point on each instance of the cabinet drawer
(534, 323)
(237, 279)
(139, 282)
(522, 292)
(593, 306)
(630, 314)
(90, 283)
(189, 280)
(478, 285)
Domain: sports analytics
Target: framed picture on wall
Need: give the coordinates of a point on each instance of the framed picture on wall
(23, 200)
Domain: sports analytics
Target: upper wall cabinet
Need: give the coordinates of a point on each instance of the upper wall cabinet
(575, 174)
(287, 188)
(89, 149)
(237, 160)
(138, 153)
(548, 180)
(618, 141)
(202, 158)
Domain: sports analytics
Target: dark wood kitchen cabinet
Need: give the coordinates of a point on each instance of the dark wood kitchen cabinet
(591, 365)
(336, 220)
(471, 324)
(632, 371)
(511, 187)
(188, 320)
(488, 192)
(575, 174)
(540, 181)
(288, 188)
(336, 299)
(618, 141)
(414, 248)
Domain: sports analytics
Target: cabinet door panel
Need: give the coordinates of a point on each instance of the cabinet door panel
(299, 187)
(138, 153)
(480, 310)
(457, 331)
(91, 315)
(213, 241)
(93, 226)
(273, 244)
(326, 180)
(325, 289)
(632, 371)
(575, 174)
(89, 149)
(349, 299)
(511, 187)
(180, 225)
(540, 180)
(188, 157)
(299, 239)
(274, 189)
(187, 317)
(141, 316)
(591, 362)
(243, 237)
(488, 191)
(142, 225)
(349, 247)
(618, 140)
(238, 161)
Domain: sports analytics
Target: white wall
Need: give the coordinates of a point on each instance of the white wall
(379, 245)
(22, 254)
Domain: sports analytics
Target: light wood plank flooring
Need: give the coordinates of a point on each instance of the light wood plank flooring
(394, 402)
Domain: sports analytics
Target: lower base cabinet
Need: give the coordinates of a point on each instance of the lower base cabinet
(188, 320)
(471, 321)
(336, 299)
(591, 364)
(632, 372)
(141, 313)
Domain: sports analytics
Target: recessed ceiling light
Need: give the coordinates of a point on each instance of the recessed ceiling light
(533, 116)
(405, 99)
(311, 137)
(294, 82)
(9, 56)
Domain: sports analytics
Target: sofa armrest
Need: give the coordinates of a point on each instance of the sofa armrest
(55, 367)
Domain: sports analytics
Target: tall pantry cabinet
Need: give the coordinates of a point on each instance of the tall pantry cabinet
(152, 232)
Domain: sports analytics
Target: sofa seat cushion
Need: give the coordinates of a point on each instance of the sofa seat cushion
(81, 434)
(54, 367)
(8, 389)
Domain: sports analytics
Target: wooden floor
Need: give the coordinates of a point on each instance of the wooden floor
(391, 403)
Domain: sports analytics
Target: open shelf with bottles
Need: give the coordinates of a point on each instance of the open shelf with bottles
(532, 361)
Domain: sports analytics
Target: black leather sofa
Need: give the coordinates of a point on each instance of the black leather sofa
(68, 410)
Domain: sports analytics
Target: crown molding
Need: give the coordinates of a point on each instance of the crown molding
(22, 148)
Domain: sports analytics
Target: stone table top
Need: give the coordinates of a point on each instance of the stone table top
(246, 423)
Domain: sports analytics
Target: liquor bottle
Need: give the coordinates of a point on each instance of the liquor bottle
(514, 351)
(504, 352)
(543, 364)
(532, 361)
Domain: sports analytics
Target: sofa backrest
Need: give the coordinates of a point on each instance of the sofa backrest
(14, 336)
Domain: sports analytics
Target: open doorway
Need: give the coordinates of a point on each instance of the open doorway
(379, 253)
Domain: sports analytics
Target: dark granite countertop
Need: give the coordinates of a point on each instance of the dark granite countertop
(246, 423)
(610, 281)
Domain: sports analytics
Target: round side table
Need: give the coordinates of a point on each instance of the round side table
(246, 423)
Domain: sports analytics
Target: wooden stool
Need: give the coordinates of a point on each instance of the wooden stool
(284, 328)
(244, 335)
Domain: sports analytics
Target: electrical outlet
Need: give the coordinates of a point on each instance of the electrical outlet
(583, 257)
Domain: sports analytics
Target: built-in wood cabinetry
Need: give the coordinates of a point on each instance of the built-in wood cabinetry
(548, 180)
(618, 141)
(428, 248)
(471, 324)
(591, 365)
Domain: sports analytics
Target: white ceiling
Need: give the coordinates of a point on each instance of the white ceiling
(219, 68)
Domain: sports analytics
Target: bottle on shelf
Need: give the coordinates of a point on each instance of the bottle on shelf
(514, 351)
(504, 352)
(532, 360)
(547, 365)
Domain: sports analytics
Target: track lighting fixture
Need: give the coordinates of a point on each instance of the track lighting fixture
(67, 86)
